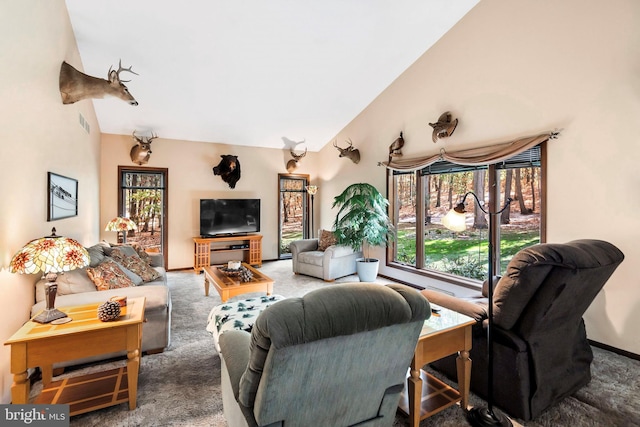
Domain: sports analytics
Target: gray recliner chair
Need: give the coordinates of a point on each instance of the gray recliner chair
(541, 352)
(336, 357)
(334, 262)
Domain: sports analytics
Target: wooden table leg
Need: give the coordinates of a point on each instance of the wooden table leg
(206, 285)
(20, 388)
(463, 365)
(414, 389)
(47, 374)
(134, 338)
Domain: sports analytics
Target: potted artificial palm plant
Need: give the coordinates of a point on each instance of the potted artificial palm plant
(362, 222)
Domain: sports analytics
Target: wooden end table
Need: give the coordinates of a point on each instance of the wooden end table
(444, 333)
(42, 345)
(230, 286)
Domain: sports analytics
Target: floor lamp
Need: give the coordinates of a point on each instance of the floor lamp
(455, 221)
(312, 190)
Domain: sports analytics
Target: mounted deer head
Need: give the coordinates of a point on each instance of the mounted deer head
(293, 163)
(75, 86)
(141, 152)
(349, 152)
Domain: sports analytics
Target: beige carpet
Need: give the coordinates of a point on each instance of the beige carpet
(180, 387)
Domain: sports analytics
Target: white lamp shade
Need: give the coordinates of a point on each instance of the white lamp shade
(455, 221)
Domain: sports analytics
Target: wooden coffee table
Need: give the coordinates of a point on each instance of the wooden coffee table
(445, 332)
(230, 286)
(42, 345)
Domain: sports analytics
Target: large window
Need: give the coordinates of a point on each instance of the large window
(421, 198)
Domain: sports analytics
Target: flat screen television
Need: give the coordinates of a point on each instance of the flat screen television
(220, 217)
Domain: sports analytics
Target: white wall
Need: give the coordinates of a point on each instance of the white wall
(510, 69)
(191, 178)
(38, 134)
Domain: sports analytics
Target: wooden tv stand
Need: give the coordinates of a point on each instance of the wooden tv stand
(222, 249)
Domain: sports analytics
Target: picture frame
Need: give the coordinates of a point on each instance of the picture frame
(62, 197)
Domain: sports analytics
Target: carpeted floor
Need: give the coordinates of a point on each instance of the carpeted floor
(180, 387)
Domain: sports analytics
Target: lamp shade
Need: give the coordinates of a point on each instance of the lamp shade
(120, 224)
(312, 189)
(50, 254)
(455, 221)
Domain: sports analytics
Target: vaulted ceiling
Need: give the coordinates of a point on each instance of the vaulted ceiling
(267, 73)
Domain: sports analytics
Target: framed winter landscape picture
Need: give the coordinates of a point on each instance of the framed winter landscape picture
(62, 199)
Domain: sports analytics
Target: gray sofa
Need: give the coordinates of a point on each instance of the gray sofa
(337, 356)
(76, 288)
(332, 263)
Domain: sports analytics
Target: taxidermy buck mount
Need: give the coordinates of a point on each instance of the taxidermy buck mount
(349, 152)
(141, 152)
(444, 127)
(76, 86)
(293, 163)
(228, 169)
(395, 149)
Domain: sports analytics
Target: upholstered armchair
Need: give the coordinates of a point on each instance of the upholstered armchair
(310, 257)
(337, 356)
(541, 352)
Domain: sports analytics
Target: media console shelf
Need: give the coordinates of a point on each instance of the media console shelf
(221, 250)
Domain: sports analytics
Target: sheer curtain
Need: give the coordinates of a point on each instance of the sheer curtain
(474, 156)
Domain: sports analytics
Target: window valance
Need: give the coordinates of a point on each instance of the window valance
(474, 156)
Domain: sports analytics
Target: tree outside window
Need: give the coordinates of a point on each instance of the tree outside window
(420, 199)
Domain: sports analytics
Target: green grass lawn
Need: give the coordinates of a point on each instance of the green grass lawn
(288, 237)
(464, 254)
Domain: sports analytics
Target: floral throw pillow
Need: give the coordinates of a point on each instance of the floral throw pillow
(108, 275)
(135, 264)
(143, 254)
(133, 248)
(327, 238)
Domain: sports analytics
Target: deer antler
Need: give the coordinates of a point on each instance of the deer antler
(120, 69)
(141, 140)
(297, 157)
(135, 137)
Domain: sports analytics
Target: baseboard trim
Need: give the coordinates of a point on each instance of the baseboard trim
(401, 281)
(614, 350)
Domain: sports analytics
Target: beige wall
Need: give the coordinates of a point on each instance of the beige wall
(191, 178)
(510, 69)
(38, 134)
